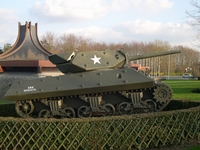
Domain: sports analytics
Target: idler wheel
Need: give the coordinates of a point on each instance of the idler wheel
(69, 112)
(24, 108)
(125, 108)
(109, 109)
(84, 111)
(45, 113)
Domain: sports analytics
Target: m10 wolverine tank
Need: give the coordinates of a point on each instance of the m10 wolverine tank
(94, 83)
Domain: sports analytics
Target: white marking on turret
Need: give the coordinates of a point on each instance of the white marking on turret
(96, 59)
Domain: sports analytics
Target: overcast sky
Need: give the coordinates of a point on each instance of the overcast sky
(102, 20)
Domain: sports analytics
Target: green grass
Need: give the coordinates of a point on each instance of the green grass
(193, 148)
(182, 89)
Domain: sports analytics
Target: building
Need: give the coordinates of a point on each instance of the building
(27, 54)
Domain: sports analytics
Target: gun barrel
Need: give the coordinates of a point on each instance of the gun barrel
(131, 58)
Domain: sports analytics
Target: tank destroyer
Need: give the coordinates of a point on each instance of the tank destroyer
(95, 83)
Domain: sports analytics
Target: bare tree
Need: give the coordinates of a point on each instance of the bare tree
(71, 42)
(96, 46)
(194, 17)
(50, 42)
(84, 44)
(68, 42)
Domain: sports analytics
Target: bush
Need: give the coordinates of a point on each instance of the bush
(8, 110)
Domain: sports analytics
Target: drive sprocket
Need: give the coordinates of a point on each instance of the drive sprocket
(162, 94)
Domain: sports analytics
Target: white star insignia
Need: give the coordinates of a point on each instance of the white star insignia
(96, 59)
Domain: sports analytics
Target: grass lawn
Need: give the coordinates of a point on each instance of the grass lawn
(193, 148)
(182, 89)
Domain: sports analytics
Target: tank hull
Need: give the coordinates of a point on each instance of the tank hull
(79, 84)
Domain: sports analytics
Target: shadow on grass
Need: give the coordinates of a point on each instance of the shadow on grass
(181, 104)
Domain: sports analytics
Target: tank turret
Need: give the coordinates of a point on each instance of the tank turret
(94, 60)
